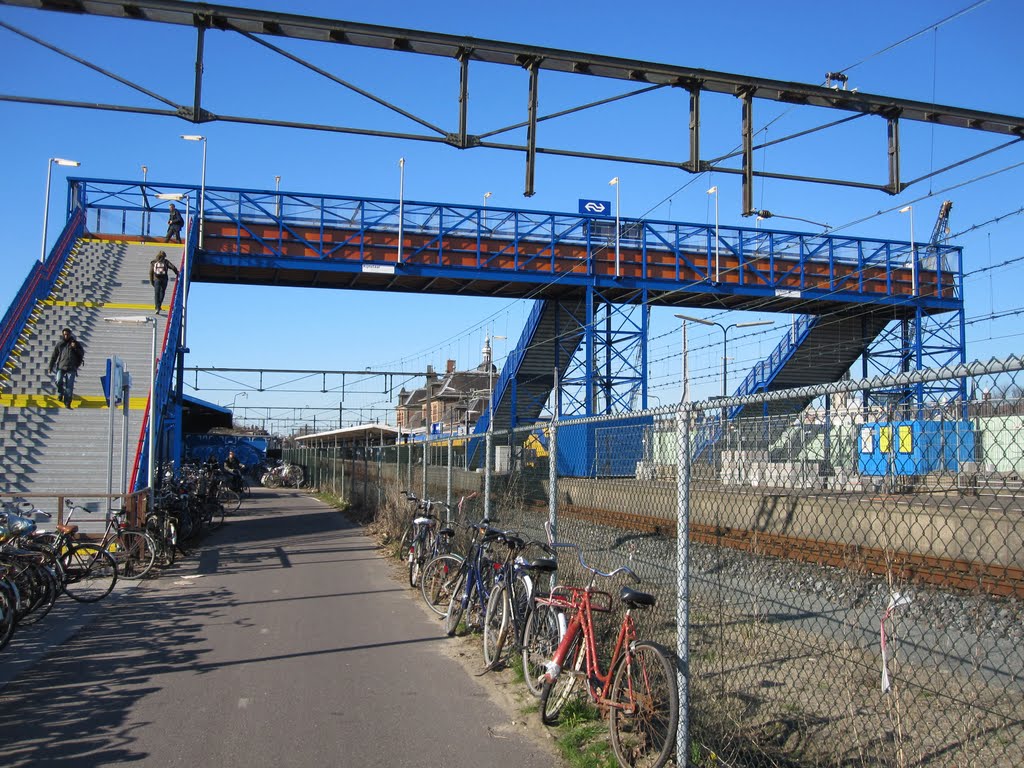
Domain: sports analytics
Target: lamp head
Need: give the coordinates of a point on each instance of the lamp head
(614, 182)
(62, 161)
(713, 190)
(906, 208)
(192, 137)
(695, 319)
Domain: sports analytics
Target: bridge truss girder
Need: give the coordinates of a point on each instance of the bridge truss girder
(260, 26)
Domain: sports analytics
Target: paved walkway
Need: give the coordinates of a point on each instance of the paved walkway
(285, 640)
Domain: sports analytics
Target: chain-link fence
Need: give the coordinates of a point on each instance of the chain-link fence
(847, 587)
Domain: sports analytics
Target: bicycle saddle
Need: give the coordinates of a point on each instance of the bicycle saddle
(447, 532)
(634, 599)
(541, 564)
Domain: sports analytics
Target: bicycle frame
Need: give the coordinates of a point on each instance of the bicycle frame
(579, 600)
(473, 566)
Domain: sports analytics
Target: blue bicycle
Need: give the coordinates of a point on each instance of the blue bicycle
(471, 585)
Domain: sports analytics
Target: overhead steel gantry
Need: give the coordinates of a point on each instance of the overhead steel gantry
(261, 26)
(587, 338)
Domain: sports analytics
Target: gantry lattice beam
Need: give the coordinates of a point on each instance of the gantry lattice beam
(258, 25)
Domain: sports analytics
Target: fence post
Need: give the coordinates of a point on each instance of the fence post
(448, 480)
(487, 475)
(553, 478)
(683, 577)
(380, 472)
(424, 463)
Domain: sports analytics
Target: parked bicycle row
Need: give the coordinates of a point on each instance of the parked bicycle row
(506, 588)
(40, 559)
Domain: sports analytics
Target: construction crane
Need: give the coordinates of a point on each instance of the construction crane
(939, 232)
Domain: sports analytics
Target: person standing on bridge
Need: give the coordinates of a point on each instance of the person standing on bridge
(174, 224)
(158, 269)
(66, 359)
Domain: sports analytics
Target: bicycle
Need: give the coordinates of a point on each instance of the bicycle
(422, 536)
(162, 526)
(442, 563)
(472, 584)
(512, 600)
(87, 572)
(134, 550)
(29, 580)
(638, 691)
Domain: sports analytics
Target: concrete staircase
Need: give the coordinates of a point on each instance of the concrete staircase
(44, 447)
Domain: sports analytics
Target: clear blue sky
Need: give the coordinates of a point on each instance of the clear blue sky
(973, 60)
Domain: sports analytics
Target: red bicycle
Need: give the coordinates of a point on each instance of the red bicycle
(638, 691)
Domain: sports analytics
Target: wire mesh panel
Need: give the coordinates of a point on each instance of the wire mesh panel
(856, 584)
(850, 584)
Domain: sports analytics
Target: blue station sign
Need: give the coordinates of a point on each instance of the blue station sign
(596, 207)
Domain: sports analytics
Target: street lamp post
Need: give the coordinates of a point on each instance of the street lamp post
(145, 212)
(202, 184)
(401, 205)
(615, 183)
(277, 191)
(489, 440)
(486, 196)
(725, 340)
(237, 395)
(913, 250)
(151, 415)
(46, 204)
(714, 191)
(685, 396)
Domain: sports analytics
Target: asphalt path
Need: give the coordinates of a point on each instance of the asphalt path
(285, 639)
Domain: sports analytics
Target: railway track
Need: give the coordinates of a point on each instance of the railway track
(941, 572)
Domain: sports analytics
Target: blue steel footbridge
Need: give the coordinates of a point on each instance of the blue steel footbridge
(891, 304)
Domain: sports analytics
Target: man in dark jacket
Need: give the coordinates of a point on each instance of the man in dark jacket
(174, 224)
(233, 467)
(158, 269)
(66, 359)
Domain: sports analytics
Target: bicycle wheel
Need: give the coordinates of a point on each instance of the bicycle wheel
(415, 562)
(545, 626)
(45, 589)
(436, 582)
(496, 619)
(214, 514)
(91, 572)
(134, 552)
(554, 696)
(457, 603)
(645, 707)
(230, 500)
(7, 619)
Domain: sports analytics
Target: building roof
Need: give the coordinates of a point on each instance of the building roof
(354, 434)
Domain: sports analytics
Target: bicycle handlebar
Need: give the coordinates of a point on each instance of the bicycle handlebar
(579, 554)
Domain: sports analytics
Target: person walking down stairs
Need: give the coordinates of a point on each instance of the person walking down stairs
(158, 268)
(68, 356)
(174, 225)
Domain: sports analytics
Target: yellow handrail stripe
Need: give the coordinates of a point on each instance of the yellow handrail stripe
(97, 304)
